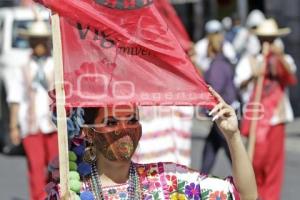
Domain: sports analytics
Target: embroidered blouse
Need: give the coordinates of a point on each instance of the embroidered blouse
(171, 181)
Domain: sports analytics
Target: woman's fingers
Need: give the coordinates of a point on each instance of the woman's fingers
(215, 94)
(222, 114)
(216, 109)
(221, 109)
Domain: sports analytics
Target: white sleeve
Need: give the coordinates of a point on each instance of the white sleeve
(243, 71)
(229, 52)
(240, 40)
(203, 63)
(202, 60)
(291, 62)
(13, 79)
(253, 45)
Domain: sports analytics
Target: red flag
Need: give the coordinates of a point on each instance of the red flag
(120, 51)
(170, 16)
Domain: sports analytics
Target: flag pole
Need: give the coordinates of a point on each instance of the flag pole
(60, 109)
(253, 124)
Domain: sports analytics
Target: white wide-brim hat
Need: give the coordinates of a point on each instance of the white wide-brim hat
(269, 28)
(36, 30)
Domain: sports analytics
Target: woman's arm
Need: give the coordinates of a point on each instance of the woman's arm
(243, 174)
(13, 124)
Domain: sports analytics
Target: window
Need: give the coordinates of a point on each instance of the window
(19, 41)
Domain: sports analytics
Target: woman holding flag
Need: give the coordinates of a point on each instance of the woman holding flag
(105, 170)
(106, 85)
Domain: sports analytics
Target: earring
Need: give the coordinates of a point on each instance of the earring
(117, 132)
(89, 155)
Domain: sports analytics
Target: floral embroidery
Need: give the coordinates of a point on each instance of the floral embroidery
(172, 182)
(142, 171)
(154, 185)
(153, 172)
(218, 195)
(156, 195)
(112, 191)
(153, 179)
(193, 191)
(123, 195)
(179, 185)
(205, 194)
(178, 196)
(148, 197)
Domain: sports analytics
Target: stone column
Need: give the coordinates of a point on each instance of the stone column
(198, 20)
(242, 8)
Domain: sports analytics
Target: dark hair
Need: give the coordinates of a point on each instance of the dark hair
(90, 115)
(269, 39)
(45, 41)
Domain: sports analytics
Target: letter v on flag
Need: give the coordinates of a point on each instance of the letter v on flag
(117, 51)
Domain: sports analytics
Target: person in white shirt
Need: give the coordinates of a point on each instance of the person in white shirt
(247, 47)
(246, 42)
(29, 108)
(202, 48)
(277, 70)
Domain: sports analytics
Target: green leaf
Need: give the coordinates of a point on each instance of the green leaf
(181, 186)
(205, 194)
(156, 195)
(229, 196)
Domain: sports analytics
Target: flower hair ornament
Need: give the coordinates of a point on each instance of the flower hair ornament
(74, 121)
(81, 156)
(84, 180)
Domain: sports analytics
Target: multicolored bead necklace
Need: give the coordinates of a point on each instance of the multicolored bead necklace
(96, 183)
(134, 189)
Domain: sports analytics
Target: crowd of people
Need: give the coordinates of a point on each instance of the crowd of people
(246, 66)
(249, 68)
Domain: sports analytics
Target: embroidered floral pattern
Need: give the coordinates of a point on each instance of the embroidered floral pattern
(171, 182)
(174, 182)
(218, 195)
(123, 195)
(177, 196)
(193, 191)
(154, 185)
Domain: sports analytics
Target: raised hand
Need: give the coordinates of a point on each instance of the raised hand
(224, 115)
(242, 170)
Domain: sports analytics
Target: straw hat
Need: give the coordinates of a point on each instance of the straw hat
(269, 28)
(37, 29)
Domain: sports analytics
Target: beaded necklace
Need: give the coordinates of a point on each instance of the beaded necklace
(134, 189)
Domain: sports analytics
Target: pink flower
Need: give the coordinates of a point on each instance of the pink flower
(171, 182)
(218, 195)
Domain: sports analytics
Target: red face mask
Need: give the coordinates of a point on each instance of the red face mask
(118, 140)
